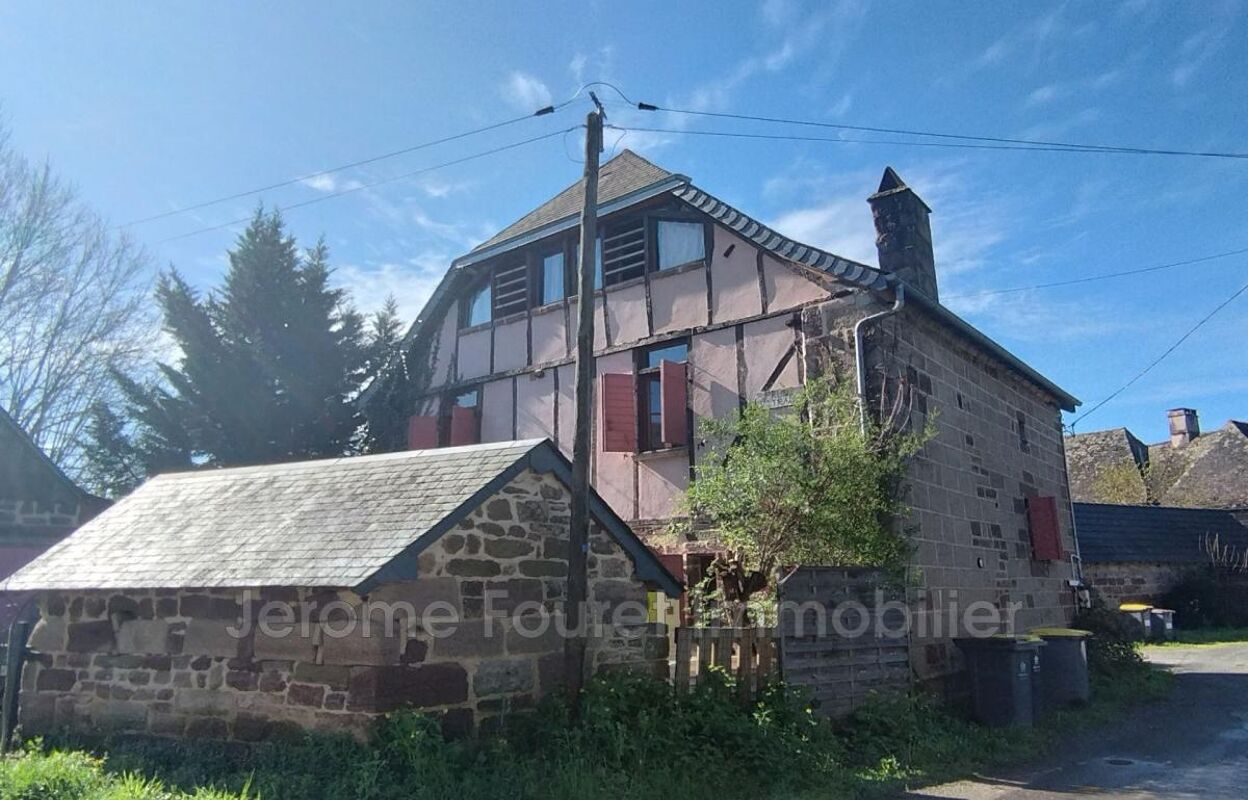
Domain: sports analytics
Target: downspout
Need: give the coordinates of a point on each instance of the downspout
(860, 359)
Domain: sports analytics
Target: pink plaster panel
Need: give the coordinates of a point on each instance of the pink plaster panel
(474, 354)
(661, 480)
(535, 405)
(600, 330)
(567, 407)
(511, 345)
(766, 342)
(626, 311)
(713, 373)
(444, 350)
(550, 334)
(787, 289)
(734, 278)
(678, 301)
(614, 472)
(496, 408)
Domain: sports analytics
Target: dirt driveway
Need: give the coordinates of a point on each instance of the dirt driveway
(1192, 745)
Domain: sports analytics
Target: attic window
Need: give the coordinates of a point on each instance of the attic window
(477, 309)
(680, 243)
(624, 252)
(511, 290)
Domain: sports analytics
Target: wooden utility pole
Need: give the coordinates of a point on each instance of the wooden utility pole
(578, 532)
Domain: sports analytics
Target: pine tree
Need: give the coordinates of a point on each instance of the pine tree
(269, 368)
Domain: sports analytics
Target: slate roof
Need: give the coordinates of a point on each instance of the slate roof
(346, 522)
(1211, 471)
(622, 175)
(26, 472)
(1153, 534)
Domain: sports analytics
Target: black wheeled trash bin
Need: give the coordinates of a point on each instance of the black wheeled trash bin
(1002, 671)
(1063, 667)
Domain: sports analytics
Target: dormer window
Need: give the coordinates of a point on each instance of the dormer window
(680, 243)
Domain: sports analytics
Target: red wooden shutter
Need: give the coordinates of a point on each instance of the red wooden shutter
(675, 392)
(617, 413)
(422, 433)
(1046, 533)
(465, 428)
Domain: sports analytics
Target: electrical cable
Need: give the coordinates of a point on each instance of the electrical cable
(940, 135)
(372, 184)
(1103, 277)
(1159, 358)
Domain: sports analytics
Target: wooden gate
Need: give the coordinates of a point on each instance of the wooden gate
(748, 654)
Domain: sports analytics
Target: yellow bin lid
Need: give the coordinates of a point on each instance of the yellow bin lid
(1060, 633)
(1135, 607)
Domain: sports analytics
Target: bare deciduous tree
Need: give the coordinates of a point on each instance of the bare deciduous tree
(72, 306)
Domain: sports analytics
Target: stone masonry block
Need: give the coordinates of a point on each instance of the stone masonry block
(503, 676)
(214, 638)
(48, 635)
(143, 636)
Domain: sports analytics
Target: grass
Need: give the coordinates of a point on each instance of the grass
(1205, 637)
(635, 739)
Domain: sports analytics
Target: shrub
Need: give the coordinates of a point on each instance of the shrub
(1204, 600)
(1114, 647)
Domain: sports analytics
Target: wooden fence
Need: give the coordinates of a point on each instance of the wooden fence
(749, 654)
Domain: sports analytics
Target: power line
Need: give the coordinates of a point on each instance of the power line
(844, 140)
(1103, 277)
(351, 165)
(941, 135)
(364, 186)
(1161, 357)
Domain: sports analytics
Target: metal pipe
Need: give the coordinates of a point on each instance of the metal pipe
(860, 359)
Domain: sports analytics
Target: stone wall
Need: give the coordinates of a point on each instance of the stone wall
(967, 490)
(1119, 583)
(476, 636)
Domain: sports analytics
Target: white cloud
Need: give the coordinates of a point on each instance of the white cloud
(577, 67)
(841, 107)
(326, 182)
(525, 91)
(411, 283)
(1044, 95)
(840, 225)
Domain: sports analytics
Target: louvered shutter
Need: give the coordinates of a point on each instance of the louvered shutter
(465, 429)
(422, 433)
(1046, 533)
(617, 413)
(674, 390)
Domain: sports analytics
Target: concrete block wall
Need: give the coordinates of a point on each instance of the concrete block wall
(967, 490)
(475, 637)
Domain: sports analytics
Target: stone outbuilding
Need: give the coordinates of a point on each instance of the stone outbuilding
(1138, 553)
(244, 603)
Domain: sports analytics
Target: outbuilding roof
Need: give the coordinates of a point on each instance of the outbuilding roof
(1154, 534)
(347, 522)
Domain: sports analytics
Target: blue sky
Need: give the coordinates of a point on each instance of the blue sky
(148, 108)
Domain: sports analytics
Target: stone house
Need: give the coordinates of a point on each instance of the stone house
(1191, 469)
(241, 603)
(1138, 553)
(702, 308)
(39, 506)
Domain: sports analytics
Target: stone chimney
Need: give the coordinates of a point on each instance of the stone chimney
(1184, 426)
(903, 235)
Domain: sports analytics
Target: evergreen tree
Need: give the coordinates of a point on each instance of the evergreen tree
(269, 368)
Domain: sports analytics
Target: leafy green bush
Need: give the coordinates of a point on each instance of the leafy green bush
(1205, 600)
(1114, 648)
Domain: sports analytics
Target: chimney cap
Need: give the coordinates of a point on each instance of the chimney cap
(1181, 410)
(891, 184)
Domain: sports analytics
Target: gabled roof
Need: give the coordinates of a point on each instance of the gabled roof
(348, 522)
(623, 175)
(629, 179)
(1153, 534)
(26, 472)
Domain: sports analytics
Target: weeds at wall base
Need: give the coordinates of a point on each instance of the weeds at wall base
(636, 738)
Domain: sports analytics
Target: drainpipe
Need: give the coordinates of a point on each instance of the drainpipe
(860, 359)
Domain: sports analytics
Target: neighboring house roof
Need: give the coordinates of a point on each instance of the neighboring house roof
(1209, 471)
(628, 179)
(26, 472)
(347, 522)
(1154, 534)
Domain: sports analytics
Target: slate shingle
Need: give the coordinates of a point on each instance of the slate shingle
(313, 523)
(1153, 534)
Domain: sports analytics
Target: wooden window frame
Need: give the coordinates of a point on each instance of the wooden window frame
(465, 310)
(652, 228)
(646, 375)
(450, 400)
